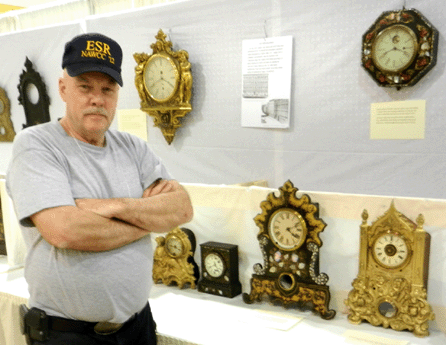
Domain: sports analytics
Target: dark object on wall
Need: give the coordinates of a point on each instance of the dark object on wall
(6, 128)
(399, 48)
(35, 111)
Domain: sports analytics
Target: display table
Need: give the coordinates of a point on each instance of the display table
(186, 316)
(225, 214)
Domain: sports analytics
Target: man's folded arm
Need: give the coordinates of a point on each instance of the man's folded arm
(164, 206)
(69, 227)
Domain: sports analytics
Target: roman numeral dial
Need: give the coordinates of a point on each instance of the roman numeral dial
(287, 229)
(390, 250)
(161, 77)
(395, 48)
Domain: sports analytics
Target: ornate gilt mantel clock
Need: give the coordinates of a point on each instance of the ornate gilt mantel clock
(164, 83)
(391, 287)
(290, 243)
(173, 261)
(399, 48)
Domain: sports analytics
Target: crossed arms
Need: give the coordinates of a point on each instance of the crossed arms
(105, 224)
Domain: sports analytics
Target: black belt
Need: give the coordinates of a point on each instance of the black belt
(67, 325)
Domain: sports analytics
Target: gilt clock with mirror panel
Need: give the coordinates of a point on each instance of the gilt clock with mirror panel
(391, 287)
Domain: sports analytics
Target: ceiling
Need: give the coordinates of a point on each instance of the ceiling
(24, 3)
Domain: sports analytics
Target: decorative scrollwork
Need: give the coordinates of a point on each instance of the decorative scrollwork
(412, 311)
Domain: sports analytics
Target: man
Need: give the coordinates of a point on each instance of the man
(87, 199)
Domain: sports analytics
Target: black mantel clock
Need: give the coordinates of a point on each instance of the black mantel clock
(290, 243)
(219, 269)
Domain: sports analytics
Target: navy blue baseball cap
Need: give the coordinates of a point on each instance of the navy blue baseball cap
(93, 52)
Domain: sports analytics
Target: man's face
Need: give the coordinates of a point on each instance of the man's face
(91, 99)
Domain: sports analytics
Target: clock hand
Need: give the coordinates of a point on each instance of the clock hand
(292, 234)
(169, 83)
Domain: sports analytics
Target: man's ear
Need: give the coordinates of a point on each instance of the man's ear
(62, 88)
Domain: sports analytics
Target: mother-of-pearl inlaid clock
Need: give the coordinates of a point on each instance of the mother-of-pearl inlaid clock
(290, 244)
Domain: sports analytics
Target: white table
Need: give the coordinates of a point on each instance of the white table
(186, 316)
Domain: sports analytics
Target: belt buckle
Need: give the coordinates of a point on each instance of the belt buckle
(106, 328)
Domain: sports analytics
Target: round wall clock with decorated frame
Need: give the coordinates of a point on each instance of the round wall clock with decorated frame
(399, 48)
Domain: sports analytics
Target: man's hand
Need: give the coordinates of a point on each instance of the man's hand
(158, 187)
(109, 208)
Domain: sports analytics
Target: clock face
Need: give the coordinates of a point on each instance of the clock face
(174, 246)
(161, 77)
(390, 250)
(394, 48)
(214, 265)
(287, 229)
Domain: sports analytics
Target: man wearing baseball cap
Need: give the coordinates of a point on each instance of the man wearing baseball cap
(87, 198)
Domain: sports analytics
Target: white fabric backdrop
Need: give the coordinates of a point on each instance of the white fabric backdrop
(327, 147)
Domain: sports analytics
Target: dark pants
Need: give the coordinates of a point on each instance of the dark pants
(138, 331)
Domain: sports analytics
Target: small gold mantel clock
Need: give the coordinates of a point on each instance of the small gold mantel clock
(290, 243)
(391, 287)
(399, 48)
(164, 83)
(173, 261)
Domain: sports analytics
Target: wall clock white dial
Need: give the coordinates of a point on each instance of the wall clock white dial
(161, 77)
(395, 48)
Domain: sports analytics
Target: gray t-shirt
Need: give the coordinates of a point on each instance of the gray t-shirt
(49, 169)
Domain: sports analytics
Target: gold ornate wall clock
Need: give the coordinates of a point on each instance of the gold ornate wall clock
(7, 132)
(391, 287)
(173, 261)
(289, 241)
(38, 110)
(219, 269)
(164, 83)
(399, 48)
